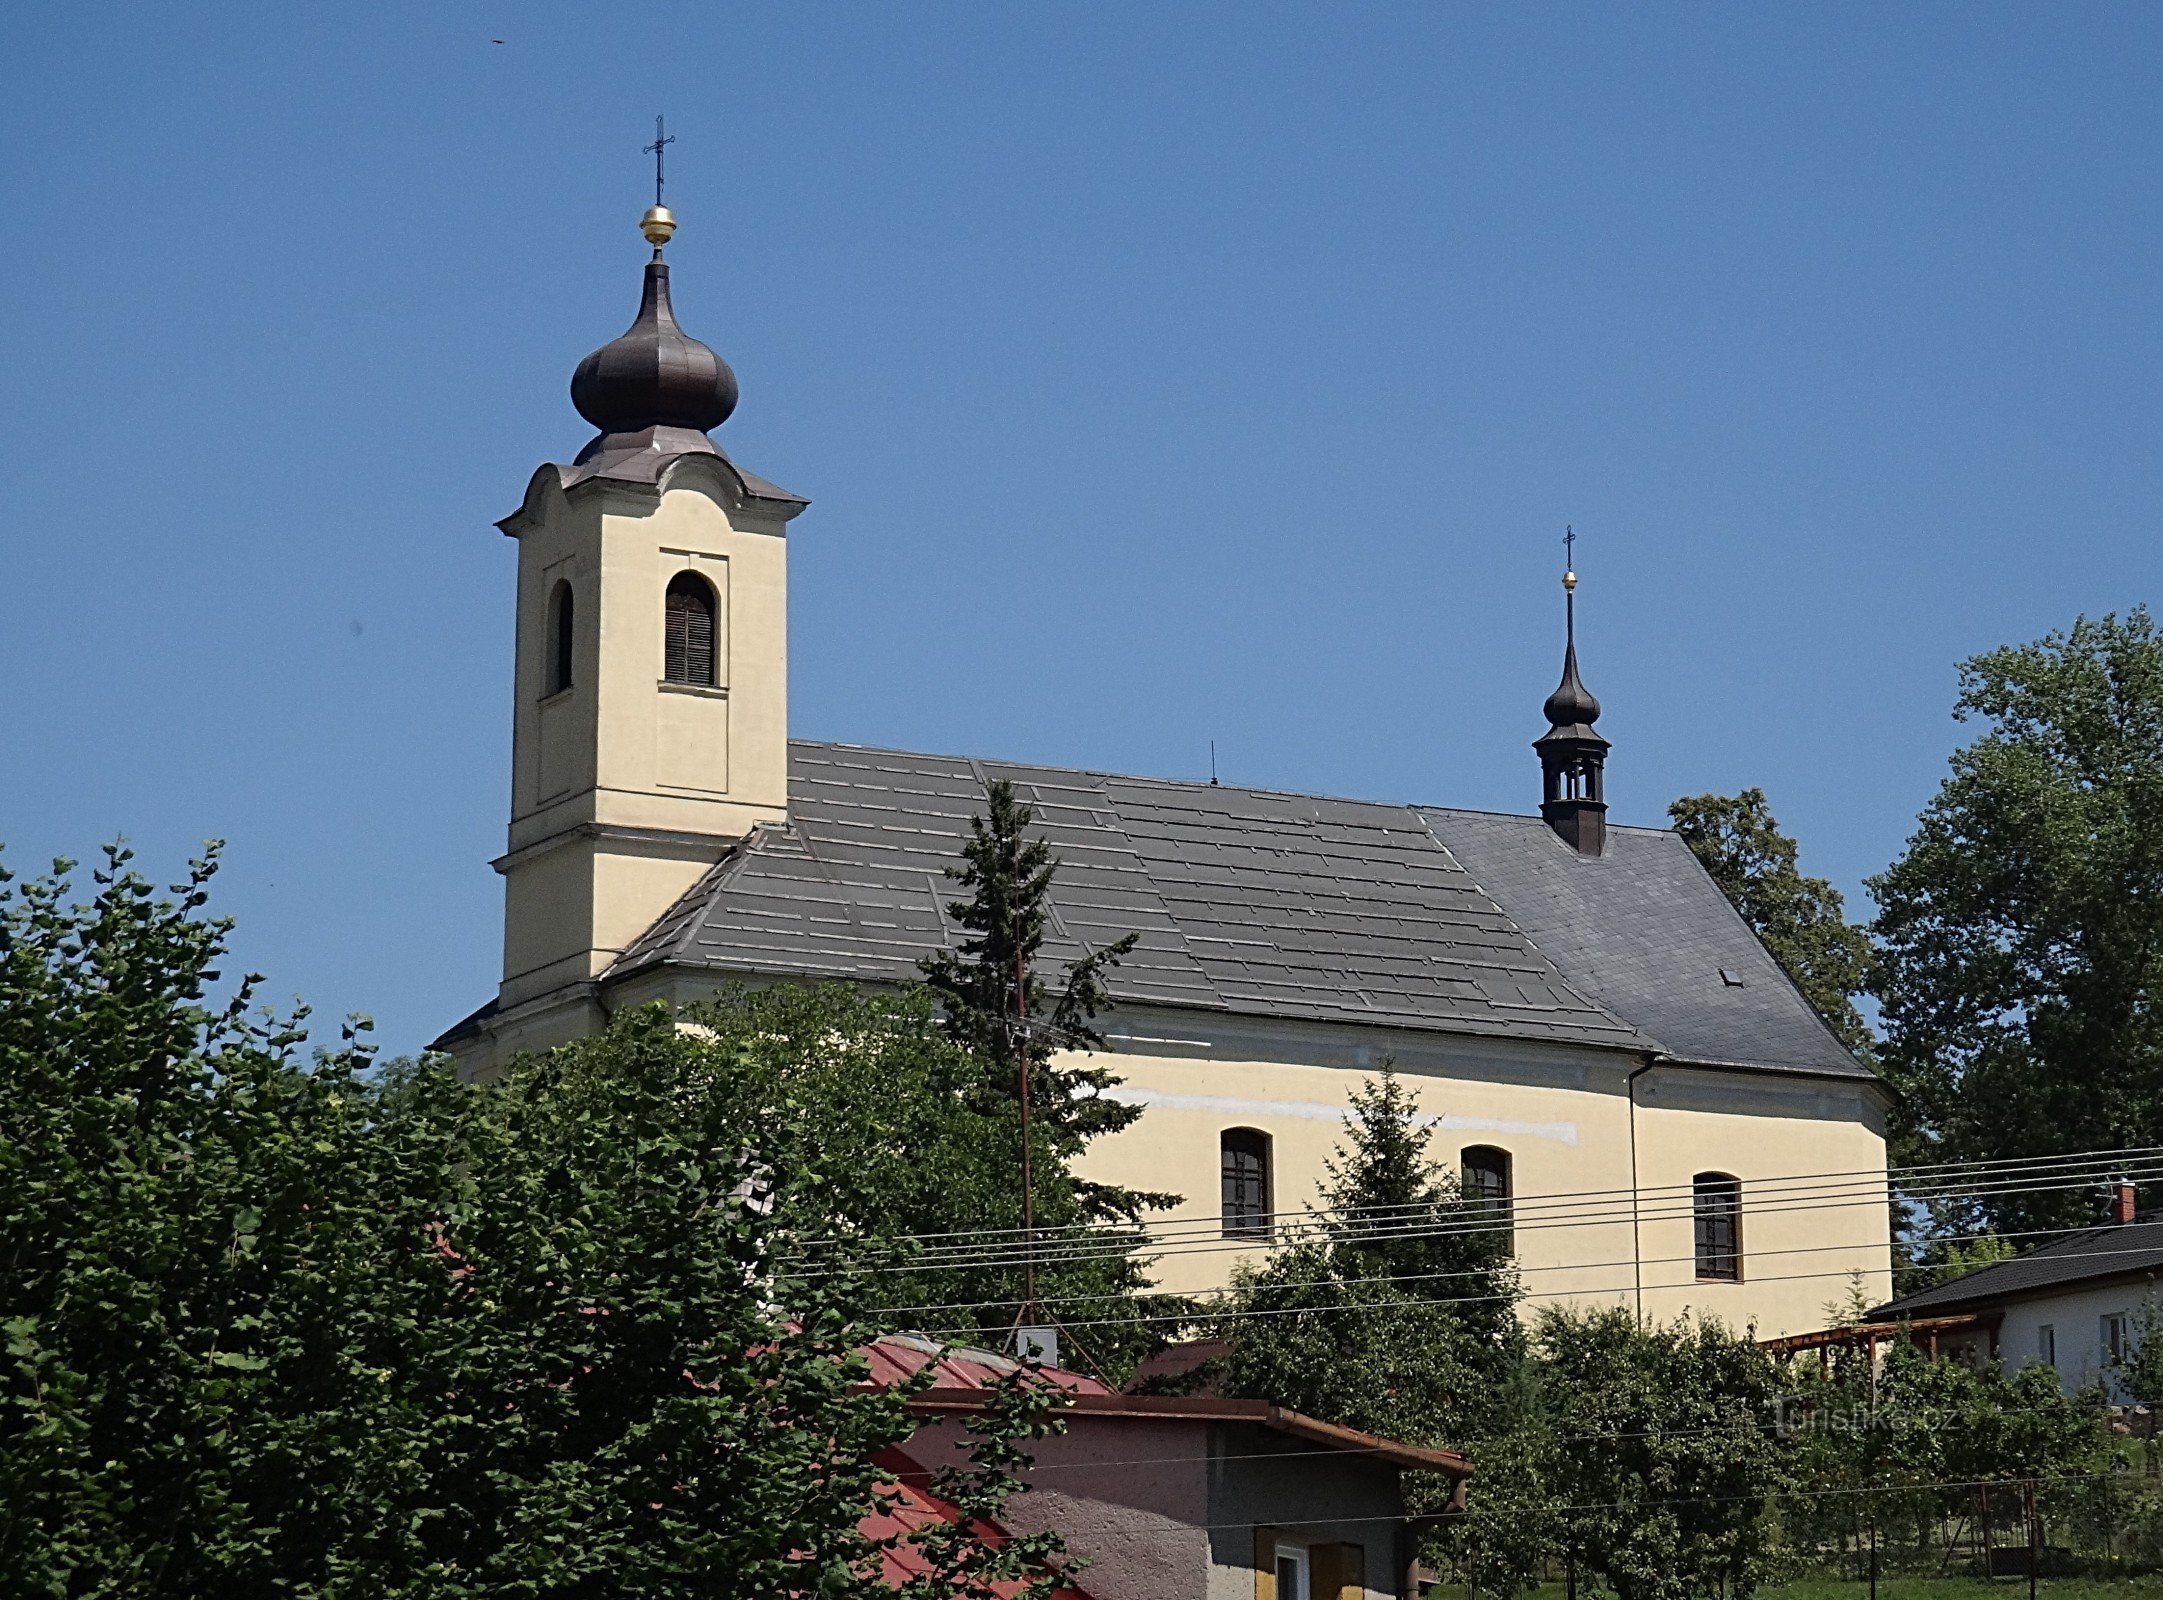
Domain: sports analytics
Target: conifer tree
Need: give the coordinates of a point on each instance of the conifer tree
(999, 1008)
(1399, 1314)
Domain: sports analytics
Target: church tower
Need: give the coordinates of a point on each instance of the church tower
(1573, 758)
(650, 729)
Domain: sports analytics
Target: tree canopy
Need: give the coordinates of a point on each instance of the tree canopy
(1397, 1313)
(2021, 929)
(281, 1327)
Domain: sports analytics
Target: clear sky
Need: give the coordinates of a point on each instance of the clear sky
(1158, 373)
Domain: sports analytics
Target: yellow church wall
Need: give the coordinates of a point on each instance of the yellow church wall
(1566, 1123)
(1802, 1237)
(1809, 1153)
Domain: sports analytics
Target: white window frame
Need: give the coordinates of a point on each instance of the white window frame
(1297, 1556)
(2117, 1337)
(2046, 1343)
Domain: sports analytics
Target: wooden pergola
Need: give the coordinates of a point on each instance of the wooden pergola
(1922, 1332)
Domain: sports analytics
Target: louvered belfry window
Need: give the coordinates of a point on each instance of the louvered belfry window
(690, 650)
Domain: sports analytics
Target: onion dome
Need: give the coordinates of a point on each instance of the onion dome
(1572, 704)
(655, 375)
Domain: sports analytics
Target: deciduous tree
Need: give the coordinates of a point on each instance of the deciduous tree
(2021, 929)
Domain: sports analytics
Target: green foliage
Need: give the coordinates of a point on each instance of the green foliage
(1022, 1566)
(2021, 929)
(283, 1329)
(2140, 1371)
(908, 1146)
(1802, 920)
(1514, 1529)
(999, 1011)
(1398, 1316)
(1668, 1456)
(1898, 1450)
(996, 1002)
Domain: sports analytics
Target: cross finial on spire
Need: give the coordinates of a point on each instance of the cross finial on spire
(662, 139)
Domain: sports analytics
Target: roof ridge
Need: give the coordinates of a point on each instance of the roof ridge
(978, 762)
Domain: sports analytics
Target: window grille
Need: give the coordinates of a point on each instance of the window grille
(1484, 1179)
(1245, 1153)
(1717, 1207)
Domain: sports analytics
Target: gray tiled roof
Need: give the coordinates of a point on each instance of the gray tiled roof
(2082, 1256)
(1644, 930)
(1257, 902)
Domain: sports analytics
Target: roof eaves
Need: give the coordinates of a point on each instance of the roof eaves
(1209, 1408)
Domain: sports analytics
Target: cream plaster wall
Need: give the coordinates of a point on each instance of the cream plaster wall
(1566, 1120)
(625, 788)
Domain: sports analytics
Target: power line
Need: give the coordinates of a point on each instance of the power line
(1785, 1197)
(1480, 1272)
(1178, 1318)
(1925, 1179)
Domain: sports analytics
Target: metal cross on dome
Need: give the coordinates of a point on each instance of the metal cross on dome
(1569, 544)
(662, 139)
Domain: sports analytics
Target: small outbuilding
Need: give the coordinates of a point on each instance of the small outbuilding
(1186, 1497)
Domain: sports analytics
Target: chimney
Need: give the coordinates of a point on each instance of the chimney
(2122, 1202)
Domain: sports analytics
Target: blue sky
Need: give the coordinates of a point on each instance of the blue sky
(1157, 374)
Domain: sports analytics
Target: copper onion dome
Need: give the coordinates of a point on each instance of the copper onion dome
(654, 375)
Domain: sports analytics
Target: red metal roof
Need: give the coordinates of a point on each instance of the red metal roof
(898, 1356)
(914, 1506)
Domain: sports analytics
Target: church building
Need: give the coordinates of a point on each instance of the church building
(1600, 1044)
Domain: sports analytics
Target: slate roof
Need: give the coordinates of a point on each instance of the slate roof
(2086, 1255)
(1256, 902)
(1643, 929)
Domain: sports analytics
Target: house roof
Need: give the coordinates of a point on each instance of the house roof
(1257, 902)
(2085, 1255)
(913, 1505)
(963, 1378)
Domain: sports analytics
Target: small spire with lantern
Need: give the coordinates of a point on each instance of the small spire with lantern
(1573, 758)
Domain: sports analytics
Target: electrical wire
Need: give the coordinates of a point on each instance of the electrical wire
(1755, 1205)
(1926, 1176)
(1651, 1205)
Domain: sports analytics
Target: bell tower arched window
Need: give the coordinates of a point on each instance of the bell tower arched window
(1244, 1154)
(688, 656)
(1716, 1211)
(560, 615)
(1485, 1183)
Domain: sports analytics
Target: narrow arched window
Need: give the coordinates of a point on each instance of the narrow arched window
(1484, 1176)
(559, 638)
(1716, 1208)
(689, 654)
(1245, 1158)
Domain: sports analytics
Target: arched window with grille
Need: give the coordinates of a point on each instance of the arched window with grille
(1716, 1208)
(560, 614)
(689, 653)
(1245, 1159)
(1484, 1178)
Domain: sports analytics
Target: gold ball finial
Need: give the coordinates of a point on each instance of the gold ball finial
(657, 225)
(1569, 582)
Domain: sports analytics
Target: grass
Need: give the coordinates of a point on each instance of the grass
(1912, 1588)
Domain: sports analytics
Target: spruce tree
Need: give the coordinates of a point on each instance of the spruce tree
(999, 1008)
(1398, 1314)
